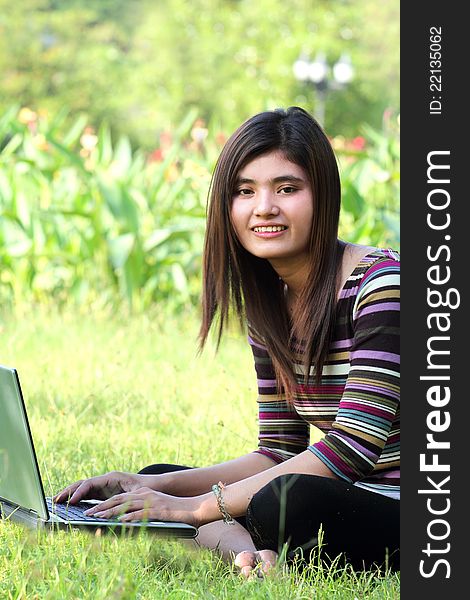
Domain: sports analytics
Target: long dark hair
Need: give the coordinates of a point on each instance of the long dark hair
(234, 279)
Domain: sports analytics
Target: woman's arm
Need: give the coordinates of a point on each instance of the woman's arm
(193, 482)
(190, 482)
(145, 503)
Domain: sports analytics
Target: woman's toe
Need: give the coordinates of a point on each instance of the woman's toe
(255, 563)
(246, 571)
(267, 559)
(245, 559)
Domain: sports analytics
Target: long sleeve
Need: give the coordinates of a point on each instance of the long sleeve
(363, 441)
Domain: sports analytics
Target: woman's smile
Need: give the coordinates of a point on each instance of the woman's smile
(269, 231)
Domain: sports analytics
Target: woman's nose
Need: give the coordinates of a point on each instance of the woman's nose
(266, 204)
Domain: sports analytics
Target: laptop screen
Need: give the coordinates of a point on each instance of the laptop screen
(20, 481)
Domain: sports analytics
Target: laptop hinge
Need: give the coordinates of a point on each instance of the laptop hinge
(12, 508)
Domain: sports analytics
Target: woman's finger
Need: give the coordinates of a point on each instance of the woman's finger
(144, 490)
(85, 491)
(106, 505)
(126, 504)
(115, 511)
(138, 515)
(127, 498)
(67, 492)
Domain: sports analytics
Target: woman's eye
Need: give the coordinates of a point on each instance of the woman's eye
(244, 192)
(287, 190)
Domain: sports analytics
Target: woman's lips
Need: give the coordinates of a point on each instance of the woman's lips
(269, 230)
(266, 233)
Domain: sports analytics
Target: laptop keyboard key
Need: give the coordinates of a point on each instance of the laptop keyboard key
(73, 512)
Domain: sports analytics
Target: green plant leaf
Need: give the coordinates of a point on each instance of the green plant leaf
(69, 155)
(123, 153)
(351, 199)
(105, 145)
(12, 145)
(120, 249)
(156, 238)
(179, 278)
(73, 134)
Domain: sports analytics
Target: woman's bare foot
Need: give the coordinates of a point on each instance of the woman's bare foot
(255, 563)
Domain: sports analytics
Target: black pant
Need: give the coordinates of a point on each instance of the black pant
(363, 527)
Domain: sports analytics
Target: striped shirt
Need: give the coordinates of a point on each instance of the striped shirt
(356, 404)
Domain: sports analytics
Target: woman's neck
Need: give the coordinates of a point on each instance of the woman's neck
(293, 274)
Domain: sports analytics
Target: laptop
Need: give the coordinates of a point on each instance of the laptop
(22, 495)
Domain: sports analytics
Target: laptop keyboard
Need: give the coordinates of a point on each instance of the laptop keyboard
(73, 512)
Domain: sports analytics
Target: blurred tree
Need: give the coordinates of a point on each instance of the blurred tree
(142, 64)
(61, 53)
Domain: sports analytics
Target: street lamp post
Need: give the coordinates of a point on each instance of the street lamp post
(317, 73)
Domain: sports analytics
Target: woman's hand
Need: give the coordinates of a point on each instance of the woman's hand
(101, 487)
(145, 504)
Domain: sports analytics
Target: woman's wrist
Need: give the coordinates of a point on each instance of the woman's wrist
(159, 483)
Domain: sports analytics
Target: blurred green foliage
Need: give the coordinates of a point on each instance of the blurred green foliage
(370, 176)
(83, 215)
(142, 64)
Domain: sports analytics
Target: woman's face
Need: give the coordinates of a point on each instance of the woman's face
(272, 209)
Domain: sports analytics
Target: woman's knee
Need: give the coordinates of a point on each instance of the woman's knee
(293, 490)
(270, 510)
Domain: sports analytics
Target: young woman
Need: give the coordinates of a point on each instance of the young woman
(323, 322)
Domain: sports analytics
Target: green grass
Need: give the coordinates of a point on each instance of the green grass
(119, 392)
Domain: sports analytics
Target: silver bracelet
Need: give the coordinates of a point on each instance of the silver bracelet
(217, 489)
